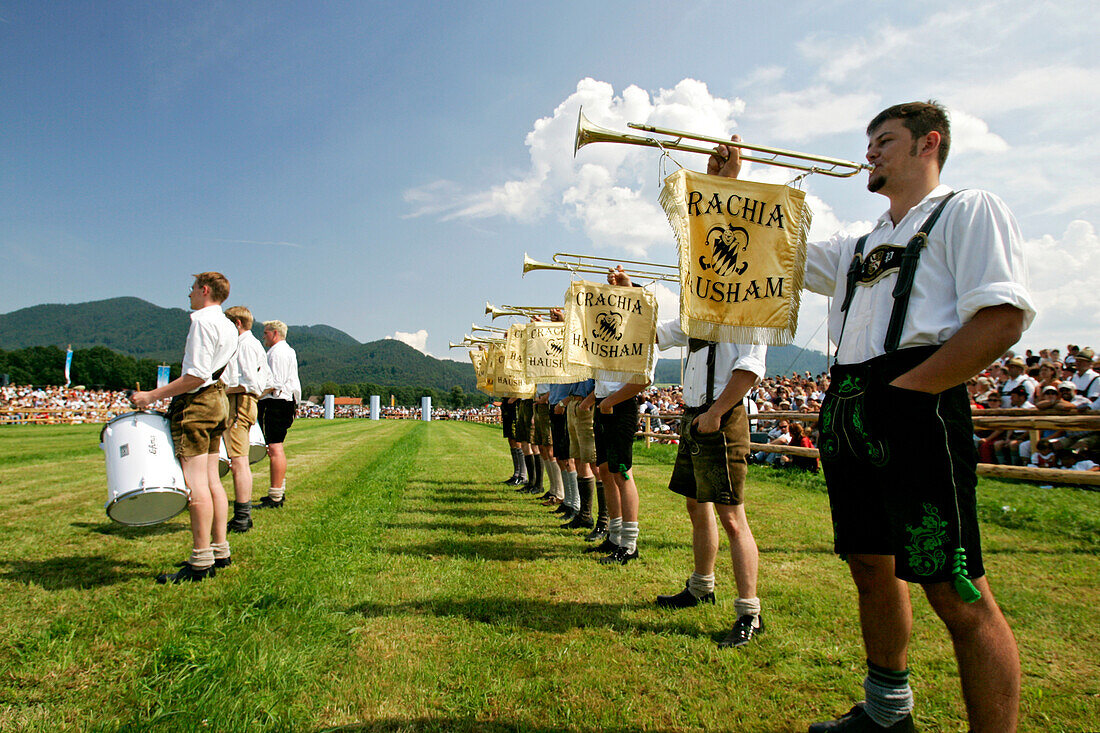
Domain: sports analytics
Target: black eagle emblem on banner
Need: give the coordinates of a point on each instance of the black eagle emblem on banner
(608, 326)
(553, 348)
(725, 242)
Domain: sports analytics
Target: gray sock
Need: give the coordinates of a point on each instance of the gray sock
(699, 585)
(628, 536)
(888, 695)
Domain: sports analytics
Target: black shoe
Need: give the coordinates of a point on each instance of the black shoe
(604, 547)
(239, 524)
(598, 533)
(564, 509)
(219, 562)
(620, 556)
(186, 574)
(684, 599)
(533, 489)
(512, 481)
(546, 496)
(268, 503)
(857, 720)
(742, 632)
(578, 522)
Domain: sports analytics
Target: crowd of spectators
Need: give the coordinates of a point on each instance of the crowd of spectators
(1046, 381)
(24, 403)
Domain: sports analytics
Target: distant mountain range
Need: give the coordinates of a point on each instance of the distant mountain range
(325, 354)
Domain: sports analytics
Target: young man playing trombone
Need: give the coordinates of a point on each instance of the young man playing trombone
(896, 442)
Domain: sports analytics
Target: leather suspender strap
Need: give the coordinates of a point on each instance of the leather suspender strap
(694, 345)
(903, 287)
(854, 268)
(710, 373)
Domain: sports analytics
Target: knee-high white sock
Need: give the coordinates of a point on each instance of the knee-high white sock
(556, 487)
(628, 536)
(614, 530)
(572, 491)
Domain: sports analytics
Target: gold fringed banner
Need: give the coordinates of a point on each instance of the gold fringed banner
(482, 371)
(545, 354)
(610, 329)
(742, 256)
(510, 380)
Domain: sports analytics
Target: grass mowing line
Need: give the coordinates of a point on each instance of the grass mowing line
(283, 636)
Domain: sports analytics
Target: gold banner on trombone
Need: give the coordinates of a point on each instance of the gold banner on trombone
(742, 256)
(610, 329)
(509, 377)
(545, 354)
(484, 376)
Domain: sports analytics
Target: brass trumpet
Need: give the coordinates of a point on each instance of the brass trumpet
(474, 328)
(526, 311)
(590, 133)
(590, 263)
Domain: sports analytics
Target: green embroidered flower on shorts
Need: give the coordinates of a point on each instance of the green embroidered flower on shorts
(927, 542)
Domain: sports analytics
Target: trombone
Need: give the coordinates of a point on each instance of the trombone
(525, 311)
(591, 263)
(474, 328)
(590, 133)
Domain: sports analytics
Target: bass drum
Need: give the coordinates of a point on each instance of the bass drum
(257, 449)
(144, 478)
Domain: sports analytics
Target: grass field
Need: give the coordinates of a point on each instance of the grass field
(404, 589)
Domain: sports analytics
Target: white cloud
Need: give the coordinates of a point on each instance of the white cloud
(1046, 87)
(608, 191)
(418, 340)
(812, 112)
(1065, 277)
(970, 134)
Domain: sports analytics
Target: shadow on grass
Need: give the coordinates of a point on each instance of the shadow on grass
(62, 573)
(480, 512)
(444, 482)
(464, 725)
(470, 528)
(471, 549)
(114, 529)
(540, 615)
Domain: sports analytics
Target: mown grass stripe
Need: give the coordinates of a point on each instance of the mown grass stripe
(282, 622)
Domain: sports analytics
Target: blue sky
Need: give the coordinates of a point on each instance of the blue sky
(382, 167)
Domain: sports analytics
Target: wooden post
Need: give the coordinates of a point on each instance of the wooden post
(647, 431)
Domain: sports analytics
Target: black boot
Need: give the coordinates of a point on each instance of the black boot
(536, 483)
(529, 463)
(242, 517)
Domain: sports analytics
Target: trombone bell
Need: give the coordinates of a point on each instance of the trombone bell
(587, 132)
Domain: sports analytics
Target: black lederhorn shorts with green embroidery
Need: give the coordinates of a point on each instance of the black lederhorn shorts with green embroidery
(900, 467)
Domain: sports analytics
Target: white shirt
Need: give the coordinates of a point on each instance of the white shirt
(1081, 382)
(728, 358)
(211, 343)
(284, 373)
(1028, 383)
(974, 260)
(249, 369)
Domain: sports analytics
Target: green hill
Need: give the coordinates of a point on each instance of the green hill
(140, 329)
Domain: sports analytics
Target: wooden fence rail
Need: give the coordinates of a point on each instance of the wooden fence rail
(1019, 419)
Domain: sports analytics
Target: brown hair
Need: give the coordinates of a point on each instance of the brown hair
(920, 118)
(240, 315)
(217, 282)
(795, 430)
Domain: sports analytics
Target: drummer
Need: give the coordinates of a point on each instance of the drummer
(246, 378)
(198, 415)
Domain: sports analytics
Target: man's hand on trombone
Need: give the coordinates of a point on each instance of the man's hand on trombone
(726, 160)
(618, 276)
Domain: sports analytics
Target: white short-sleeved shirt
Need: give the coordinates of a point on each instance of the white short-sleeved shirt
(1028, 383)
(249, 369)
(728, 358)
(1087, 384)
(211, 344)
(974, 260)
(284, 373)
